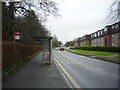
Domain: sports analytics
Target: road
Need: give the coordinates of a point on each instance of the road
(89, 72)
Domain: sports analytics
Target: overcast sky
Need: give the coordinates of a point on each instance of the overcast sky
(78, 18)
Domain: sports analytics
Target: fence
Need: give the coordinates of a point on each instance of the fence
(14, 51)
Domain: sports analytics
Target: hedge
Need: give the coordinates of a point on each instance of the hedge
(99, 48)
(14, 52)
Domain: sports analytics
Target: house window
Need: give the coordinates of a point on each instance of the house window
(98, 33)
(95, 40)
(112, 27)
(99, 39)
(112, 44)
(113, 35)
(105, 29)
(95, 34)
(116, 35)
(116, 26)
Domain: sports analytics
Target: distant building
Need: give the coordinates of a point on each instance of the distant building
(85, 41)
(108, 36)
(115, 36)
(97, 38)
(77, 44)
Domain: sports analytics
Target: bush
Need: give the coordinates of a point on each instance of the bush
(14, 52)
(99, 48)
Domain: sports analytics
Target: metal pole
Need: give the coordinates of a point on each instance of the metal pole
(43, 56)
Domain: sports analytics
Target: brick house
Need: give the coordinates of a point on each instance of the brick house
(112, 35)
(115, 36)
(97, 38)
(109, 36)
(85, 40)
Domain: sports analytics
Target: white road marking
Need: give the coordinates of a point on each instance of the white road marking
(100, 69)
(72, 62)
(117, 76)
(74, 83)
(68, 62)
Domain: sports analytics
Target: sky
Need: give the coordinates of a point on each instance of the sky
(78, 18)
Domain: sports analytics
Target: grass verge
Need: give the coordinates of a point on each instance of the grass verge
(115, 59)
(77, 52)
(95, 52)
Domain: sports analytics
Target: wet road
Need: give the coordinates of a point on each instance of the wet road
(88, 72)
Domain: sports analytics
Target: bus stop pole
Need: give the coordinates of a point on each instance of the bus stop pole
(50, 51)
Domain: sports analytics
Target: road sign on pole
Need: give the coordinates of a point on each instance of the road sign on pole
(17, 35)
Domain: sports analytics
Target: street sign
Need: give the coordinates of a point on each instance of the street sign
(17, 33)
(17, 37)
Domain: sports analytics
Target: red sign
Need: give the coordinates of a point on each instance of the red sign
(17, 33)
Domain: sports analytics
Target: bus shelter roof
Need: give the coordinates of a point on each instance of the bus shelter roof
(46, 37)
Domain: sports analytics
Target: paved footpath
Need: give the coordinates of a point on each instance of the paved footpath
(35, 74)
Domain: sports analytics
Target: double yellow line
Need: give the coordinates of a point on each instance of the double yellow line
(73, 82)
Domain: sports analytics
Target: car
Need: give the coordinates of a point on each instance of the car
(68, 47)
(57, 48)
(62, 49)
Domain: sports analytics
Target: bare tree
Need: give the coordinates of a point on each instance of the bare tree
(42, 7)
(114, 12)
(55, 41)
(10, 10)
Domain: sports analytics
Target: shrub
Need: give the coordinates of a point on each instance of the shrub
(99, 48)
(14, 55)
(14, 52)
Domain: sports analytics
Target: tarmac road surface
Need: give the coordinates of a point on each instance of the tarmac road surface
(89, 72)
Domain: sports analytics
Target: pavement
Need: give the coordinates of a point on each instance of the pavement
(36, 74)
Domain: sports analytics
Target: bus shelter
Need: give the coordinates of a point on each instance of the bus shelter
(46, 42)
